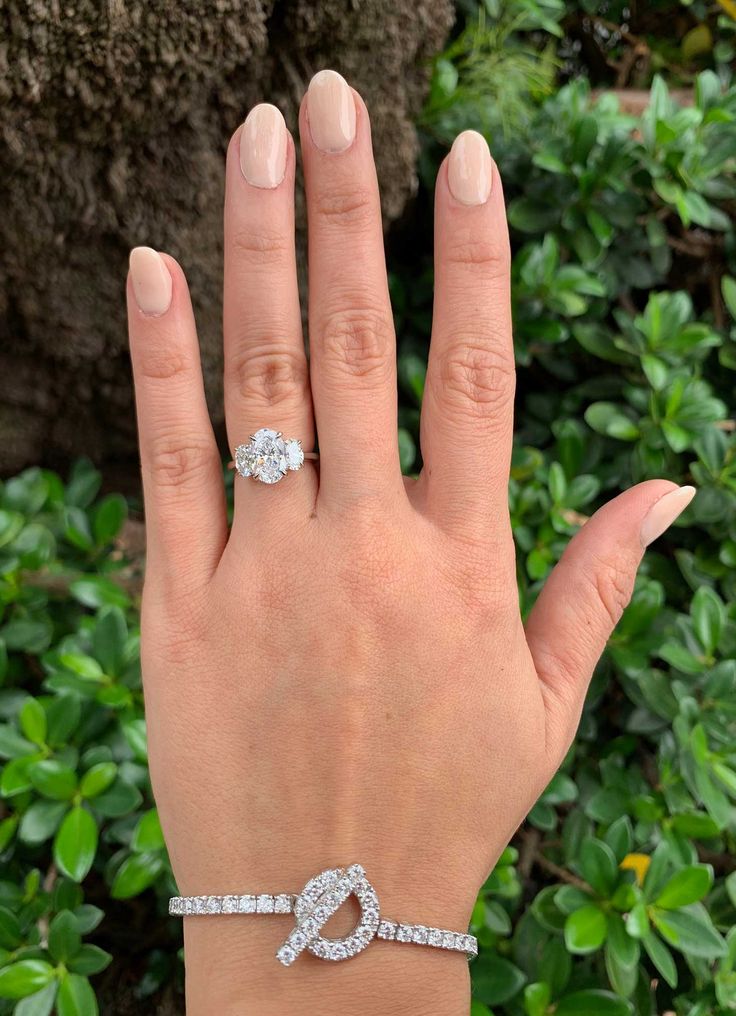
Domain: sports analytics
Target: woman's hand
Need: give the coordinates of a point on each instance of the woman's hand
(345, 677)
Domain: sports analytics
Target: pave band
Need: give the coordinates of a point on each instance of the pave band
(321, 897)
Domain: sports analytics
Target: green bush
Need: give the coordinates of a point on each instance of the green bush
(619, 894)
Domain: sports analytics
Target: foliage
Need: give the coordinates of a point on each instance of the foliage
(79, 827)
(619, 894)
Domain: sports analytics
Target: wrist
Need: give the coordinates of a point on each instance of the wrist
(231, 969)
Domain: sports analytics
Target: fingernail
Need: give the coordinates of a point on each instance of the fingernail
(263, 146)
(151, 281)
(470, 169)
(331, 112)
(664, 512)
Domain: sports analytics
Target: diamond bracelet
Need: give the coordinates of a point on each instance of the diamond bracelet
(320, 898)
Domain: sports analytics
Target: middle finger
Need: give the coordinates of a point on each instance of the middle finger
(351, 336)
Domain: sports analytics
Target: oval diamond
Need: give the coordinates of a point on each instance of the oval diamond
(264, 457)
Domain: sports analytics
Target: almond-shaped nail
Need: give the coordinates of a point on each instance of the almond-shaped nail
(664, 512)
(470, 169)
(331, 112)
(263, 146)
(151, 281)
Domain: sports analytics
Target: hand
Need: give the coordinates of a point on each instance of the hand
(345, 676)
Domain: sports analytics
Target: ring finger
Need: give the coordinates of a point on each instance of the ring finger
(266, 375)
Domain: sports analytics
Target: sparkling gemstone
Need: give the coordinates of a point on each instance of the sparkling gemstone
(264, 457)
(247, 905)
(282, 904)
(387, 929)
(294, 453)
(448, 940)
(229, 904)
(404, 933)
(434, 937)
(286, 955)
(420, 935)
(264, 904)
(213, 905)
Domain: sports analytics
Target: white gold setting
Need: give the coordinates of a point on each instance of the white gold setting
(269, 456)
(320, 898)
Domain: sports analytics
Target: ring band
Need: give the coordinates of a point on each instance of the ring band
(321, 897)
(269, 456)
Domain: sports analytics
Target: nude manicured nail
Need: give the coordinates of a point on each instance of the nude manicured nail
(151, 281)
(470, 169)
(331, 112)
(664, 512)
(263, 146)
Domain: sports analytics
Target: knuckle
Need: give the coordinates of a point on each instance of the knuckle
(477, 377)
(161, 362)
(490, 256)
(269, 374)
(357, 343)
(349, 207)
(613, 585)
(253, 247)
(176, 461)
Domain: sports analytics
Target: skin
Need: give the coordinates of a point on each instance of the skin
(344, 676)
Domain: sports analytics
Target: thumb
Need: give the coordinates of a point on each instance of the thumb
(586, 593)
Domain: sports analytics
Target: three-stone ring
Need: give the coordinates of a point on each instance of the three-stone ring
(320, 898)
(269, 456)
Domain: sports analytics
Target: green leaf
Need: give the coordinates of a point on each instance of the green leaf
(24, 978)
(593, 1003)
(497, 980)
(148, 835)
(40, 821)
(586, 929)
(108, 518)
(98, 591)
(75, 844)
(688, 886)
(119, 799)
(637, 923)
(27, 635)
(76, 997)
(64, 937)
(89, 960)
(10, 931)
(97, 779)
(661, 957)
(135, 735)
(136, 873)
(32, 719)
(12, 744)
(536, 999)
(728, 288)
(624, 947)
(690, 931)
(607, 418)
(53, 779)
(709, 616)
(39, 1004)
(598, 866)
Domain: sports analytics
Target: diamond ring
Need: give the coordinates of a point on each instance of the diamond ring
(269, 456)
(313, 907)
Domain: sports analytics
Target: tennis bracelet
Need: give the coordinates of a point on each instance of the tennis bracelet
(320, 898)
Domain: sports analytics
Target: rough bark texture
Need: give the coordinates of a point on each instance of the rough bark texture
(114, 120)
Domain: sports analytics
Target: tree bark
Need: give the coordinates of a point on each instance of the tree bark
(115, 118)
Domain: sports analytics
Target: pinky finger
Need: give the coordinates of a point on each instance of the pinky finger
(182, 477)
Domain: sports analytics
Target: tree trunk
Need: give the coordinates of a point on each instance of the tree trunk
(115, 118)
